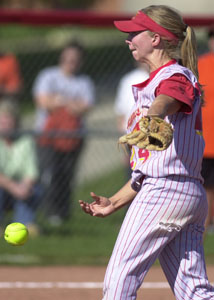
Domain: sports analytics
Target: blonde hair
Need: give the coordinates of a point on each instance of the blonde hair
(185, 50)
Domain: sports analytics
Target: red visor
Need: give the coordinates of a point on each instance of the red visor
(142, 22)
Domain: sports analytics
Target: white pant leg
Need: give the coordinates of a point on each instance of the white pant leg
(141, 239)
(139, 242)
(126, 246)
(184, 266)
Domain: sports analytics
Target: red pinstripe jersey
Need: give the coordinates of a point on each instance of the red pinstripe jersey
(184, 156)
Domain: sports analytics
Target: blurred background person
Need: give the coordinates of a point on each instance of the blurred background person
(10, 76)
(63, 96)
(124, 101)
(206, 67)
(18, 170)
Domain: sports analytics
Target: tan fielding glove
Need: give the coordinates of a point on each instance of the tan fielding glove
(154, 134)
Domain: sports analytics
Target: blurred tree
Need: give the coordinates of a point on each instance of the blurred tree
(44, 4)
(75, 4)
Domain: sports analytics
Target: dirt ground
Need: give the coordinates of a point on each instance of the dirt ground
(14, 283)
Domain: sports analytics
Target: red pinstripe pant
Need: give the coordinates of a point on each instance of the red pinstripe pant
(165, 221)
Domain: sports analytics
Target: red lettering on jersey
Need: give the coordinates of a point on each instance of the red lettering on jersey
(137, 127)
(132, 117)
(143, 154)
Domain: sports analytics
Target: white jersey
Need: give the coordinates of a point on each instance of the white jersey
(184, 155)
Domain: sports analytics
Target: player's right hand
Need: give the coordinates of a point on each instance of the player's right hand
(101, 207)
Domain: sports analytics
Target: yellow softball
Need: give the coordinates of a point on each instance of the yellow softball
(16, 234)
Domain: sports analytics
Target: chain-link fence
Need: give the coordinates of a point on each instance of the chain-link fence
(106, 59)
(101, 165)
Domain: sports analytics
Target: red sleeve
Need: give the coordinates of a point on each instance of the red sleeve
(179, 88)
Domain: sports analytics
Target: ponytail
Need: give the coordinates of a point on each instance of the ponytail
(189, 57)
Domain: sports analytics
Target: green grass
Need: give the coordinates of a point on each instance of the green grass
(209, 249)
(83, 240)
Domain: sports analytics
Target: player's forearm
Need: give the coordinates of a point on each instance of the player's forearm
(163, 106)
(124, 196)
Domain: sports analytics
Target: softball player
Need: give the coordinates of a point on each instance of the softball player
(168, 203)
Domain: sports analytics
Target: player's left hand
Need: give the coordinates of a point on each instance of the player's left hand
(101, 207)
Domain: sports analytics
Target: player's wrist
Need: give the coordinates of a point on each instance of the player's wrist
(114, 203)
(156, 115)
(119, 203)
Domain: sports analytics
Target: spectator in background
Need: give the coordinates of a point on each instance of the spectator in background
(10, 76)
(63, 97)
(205, 68)
(125, 100)
(18, 169)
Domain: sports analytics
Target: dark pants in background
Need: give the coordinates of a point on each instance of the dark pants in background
(57, 179)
